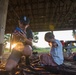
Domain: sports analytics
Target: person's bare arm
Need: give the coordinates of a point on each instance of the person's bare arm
(26, 41)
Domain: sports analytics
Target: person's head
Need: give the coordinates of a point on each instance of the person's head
(49, 37)
(24, 22)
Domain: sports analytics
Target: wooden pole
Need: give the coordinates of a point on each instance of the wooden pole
(3, 16)
(74, 34)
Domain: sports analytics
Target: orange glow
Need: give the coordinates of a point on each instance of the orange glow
(18, 46)
(14, 45)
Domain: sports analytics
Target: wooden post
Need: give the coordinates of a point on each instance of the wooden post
(3, 15)
(74, 34)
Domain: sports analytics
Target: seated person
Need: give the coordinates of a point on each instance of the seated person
(72, 57)
(55, 57)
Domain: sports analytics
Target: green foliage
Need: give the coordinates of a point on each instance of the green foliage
(35, 33)
(7, 38)
(42, 50)
(35, 37)
(74, 50)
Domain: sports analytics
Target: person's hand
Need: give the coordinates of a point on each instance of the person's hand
(19, 34)
(16, 33)
(23, 35)
(53, 44)
(50, 44)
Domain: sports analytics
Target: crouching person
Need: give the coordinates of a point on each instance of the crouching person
(23, 40)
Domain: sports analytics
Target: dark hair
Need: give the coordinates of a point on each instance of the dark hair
(24, 20)
(48, 35)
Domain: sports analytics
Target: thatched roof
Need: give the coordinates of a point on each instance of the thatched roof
(45, 15)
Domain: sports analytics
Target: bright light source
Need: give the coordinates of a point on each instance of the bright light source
(13, 46)
(8, 45)
(18, 46)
